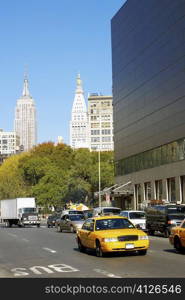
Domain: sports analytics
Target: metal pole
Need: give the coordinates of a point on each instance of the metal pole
(99, 178)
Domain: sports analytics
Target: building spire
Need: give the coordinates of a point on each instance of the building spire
(25, 87)
(79, 88)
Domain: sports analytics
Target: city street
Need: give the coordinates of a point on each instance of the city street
(44, 252)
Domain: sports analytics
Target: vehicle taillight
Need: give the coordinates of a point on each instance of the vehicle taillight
(171, 222)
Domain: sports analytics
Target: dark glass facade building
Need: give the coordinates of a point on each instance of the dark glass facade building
(148, 64)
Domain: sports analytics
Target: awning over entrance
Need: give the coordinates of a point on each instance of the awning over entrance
(124, 189)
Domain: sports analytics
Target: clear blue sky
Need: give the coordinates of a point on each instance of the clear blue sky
(56, 39)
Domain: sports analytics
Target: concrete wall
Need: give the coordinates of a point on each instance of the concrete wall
(163, 172)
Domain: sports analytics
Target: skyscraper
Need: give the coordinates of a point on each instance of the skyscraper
(148, 64)
(25, 124)
(79, 120)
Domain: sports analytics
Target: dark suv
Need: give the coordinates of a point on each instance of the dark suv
(163, 217)
(51, 220)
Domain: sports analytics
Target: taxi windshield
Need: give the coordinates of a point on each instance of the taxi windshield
(107, 224)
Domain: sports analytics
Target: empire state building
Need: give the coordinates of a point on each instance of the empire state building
(25, 124)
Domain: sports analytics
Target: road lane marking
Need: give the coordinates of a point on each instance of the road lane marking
(106, 273)
(50, 250)
(25, 240)
(39, 270)
(11, 234)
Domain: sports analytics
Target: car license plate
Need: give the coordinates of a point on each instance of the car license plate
(129, 246)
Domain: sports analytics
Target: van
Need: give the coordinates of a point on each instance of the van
(136, 217)
(105, 211)
(163, 217)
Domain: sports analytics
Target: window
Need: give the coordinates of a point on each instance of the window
(183, 225)
(105, 117)
(124, 214)
(95, 132)
(106, 124)
(107, 224)
(164, 154)
(182, 188)
(147, 187)
(171, 189)
(88, 225)
(76, 217)
(137, 215)
(106, 139)
(95, 125)
(95, 139)
(158, 189)
(106, 131)
(138, 195)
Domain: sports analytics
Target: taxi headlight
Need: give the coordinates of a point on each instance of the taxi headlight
(143, 237)
(114, 239)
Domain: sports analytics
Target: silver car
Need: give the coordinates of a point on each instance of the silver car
(70, 222)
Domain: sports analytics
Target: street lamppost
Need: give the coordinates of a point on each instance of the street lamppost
(99, 173)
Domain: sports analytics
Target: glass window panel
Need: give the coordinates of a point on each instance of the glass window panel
(164, 154)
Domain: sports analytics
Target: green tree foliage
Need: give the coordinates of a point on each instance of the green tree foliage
(33, 168)
(55, 174)
(11, 182)
(52, 188)
(106, 169)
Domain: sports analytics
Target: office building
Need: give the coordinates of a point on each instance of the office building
(148, 64)
(100, 115)
(79, 121)
(25, 124)
(9, 144)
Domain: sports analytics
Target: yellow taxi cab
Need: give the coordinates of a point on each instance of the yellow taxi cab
(177, 237)
(111, 234)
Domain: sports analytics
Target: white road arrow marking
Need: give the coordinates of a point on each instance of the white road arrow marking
(50, 250)
(106, 273)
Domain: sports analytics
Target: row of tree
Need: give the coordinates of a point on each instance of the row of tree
(55, 174)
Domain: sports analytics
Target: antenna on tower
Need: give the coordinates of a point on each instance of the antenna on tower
(25, 71)
(25, 87)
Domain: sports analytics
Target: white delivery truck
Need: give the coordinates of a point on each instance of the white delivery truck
(19, 211)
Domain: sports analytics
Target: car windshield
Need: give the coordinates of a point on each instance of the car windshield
(114, 211)
(75, 212)
(176, 210)
(176, 216)
(76, 218)
(29, 210)
(124, 214)
(107, 224)
(137, 215)
(88, 214)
